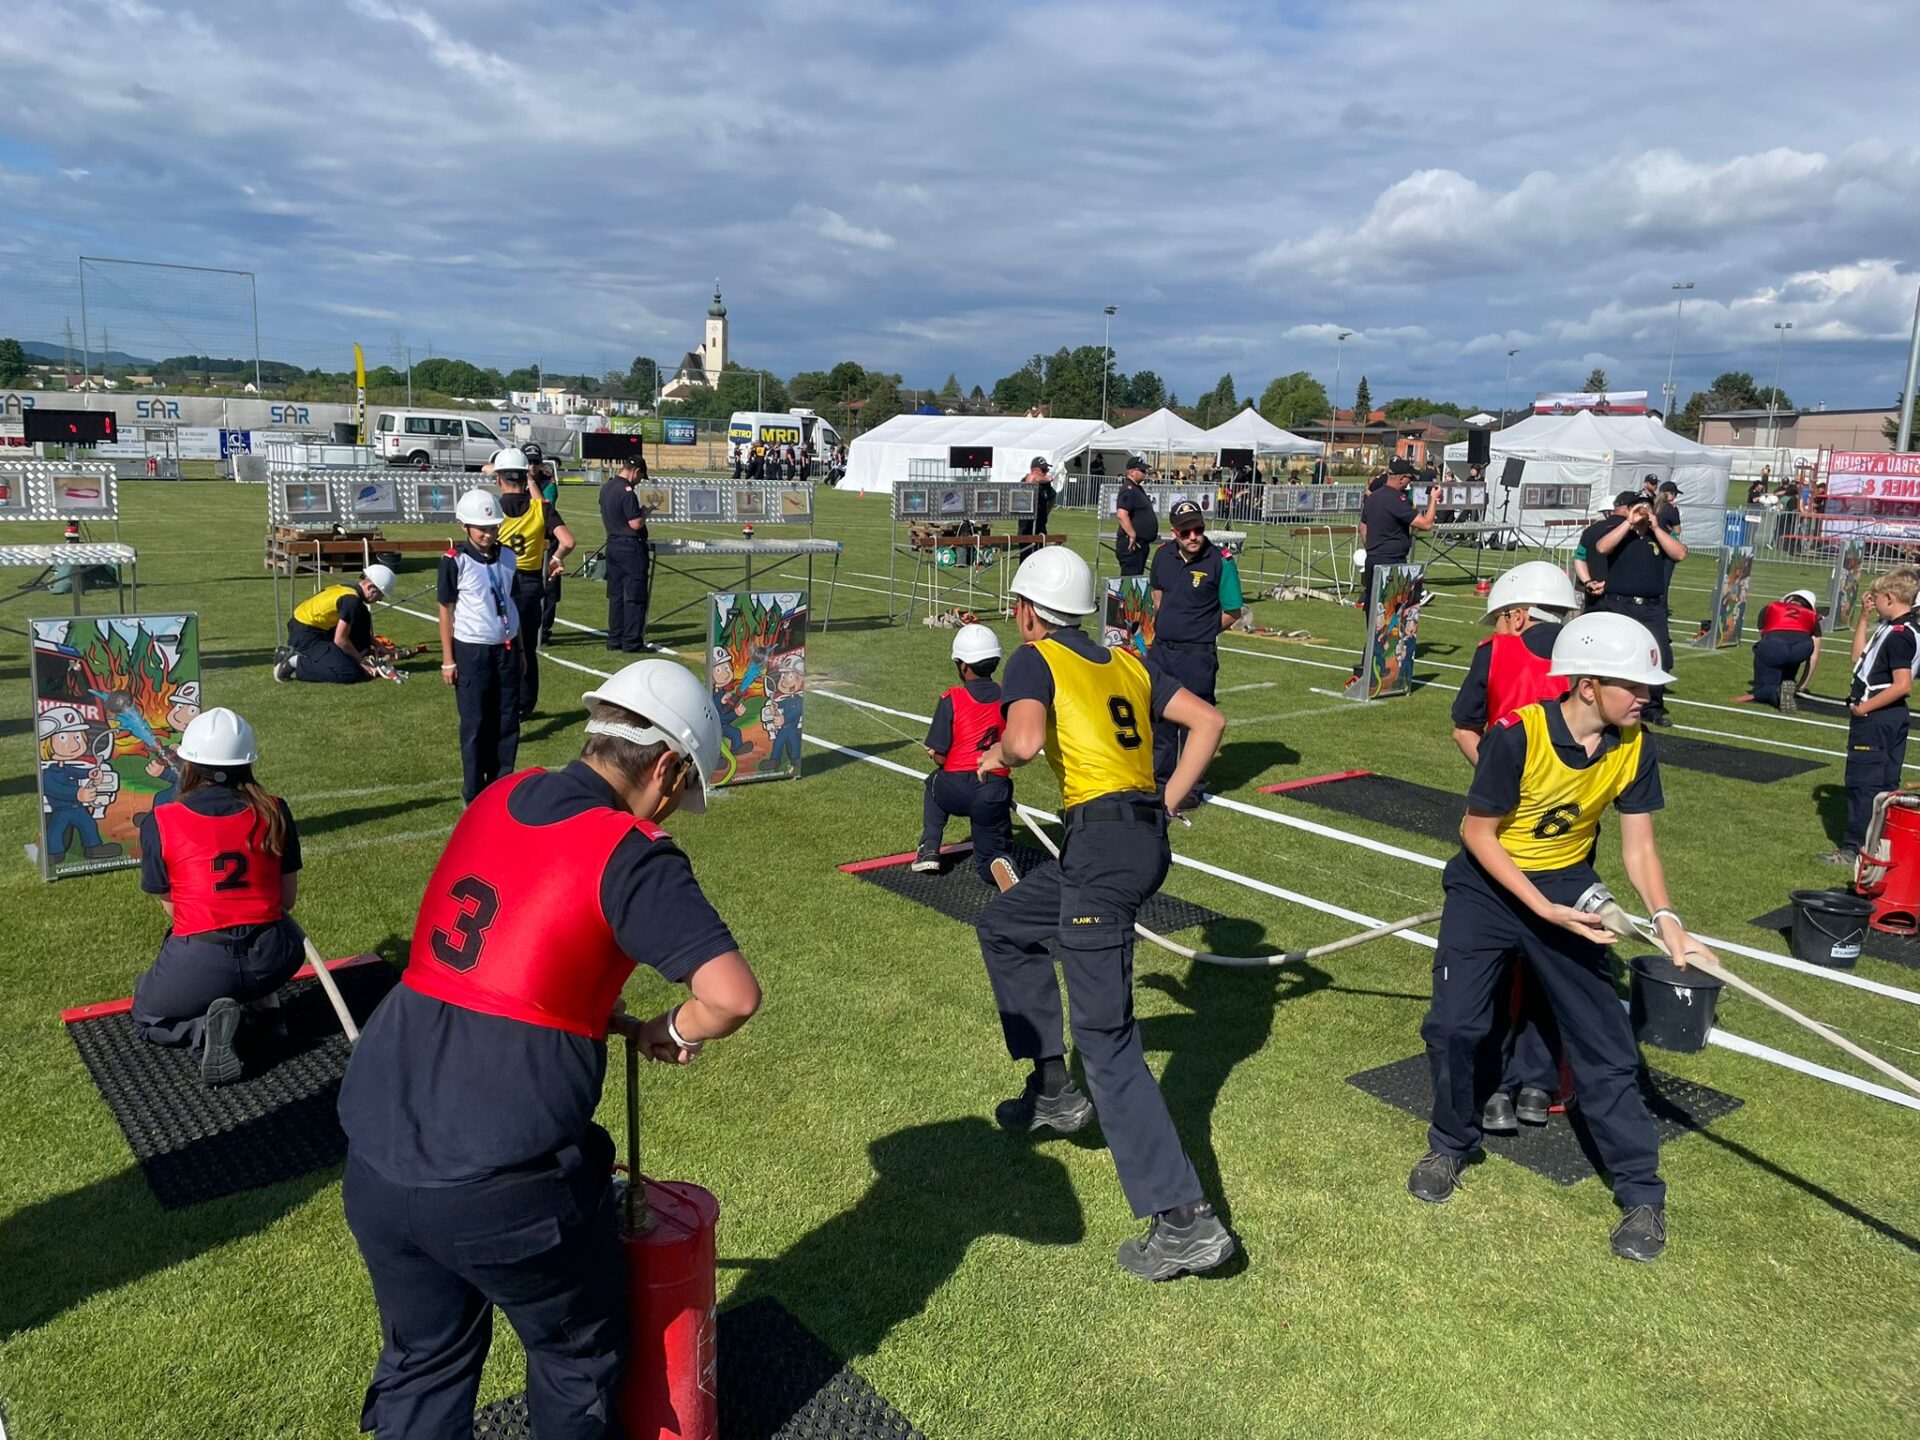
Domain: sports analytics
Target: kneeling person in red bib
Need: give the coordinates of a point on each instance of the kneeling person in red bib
(967, 723)
(1788, 650)
(476, 1175)
(223, 857)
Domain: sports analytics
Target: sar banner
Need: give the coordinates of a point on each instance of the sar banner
(112, 695)
(1393, 625)
(757, 671)
(1129, 614)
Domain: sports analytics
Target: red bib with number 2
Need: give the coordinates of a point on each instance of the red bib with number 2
(511, 924)
(218, 876)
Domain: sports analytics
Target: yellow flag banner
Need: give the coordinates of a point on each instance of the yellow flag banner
(359, 396)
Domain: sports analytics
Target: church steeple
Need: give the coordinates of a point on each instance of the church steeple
(717, 310)
(713, 349)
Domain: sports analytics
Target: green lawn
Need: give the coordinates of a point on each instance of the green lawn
(847, 1131)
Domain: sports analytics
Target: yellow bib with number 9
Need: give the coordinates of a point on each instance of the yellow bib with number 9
(1099, 731)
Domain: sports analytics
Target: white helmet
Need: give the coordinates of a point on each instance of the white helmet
(478, 507)
(673, 706)
(58, 721)
(381, 576)
(974, 643)
(1611, 647)
(218, 737)
(509, 457)
(1533, 583)
(1805, 597)
(187, 694)
(1057, 583)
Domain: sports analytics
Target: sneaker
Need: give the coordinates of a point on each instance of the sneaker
(219, 1063)
(1533, 1105)
(1497, 1114)
(1641, 1234)
(1003, 873)
(1789, 703)
(1842, 856)
(283, 670)
(926, 860)
(1063, 1113)
(1435, 1178)
(1168, 1251)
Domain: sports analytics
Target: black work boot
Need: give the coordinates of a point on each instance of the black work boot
(1496, 1116)
(1533, 1105)
(1063, 1112)
(219, 1062)
(1435, 1178)
(1641, 1234)
(1171, 1249)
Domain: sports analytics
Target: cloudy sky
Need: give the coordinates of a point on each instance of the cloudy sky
(935, 188)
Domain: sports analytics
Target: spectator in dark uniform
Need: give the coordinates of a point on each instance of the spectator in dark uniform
(1387, 523)
(1138, 525)
(1196, 595)
(1641, 553)
(627, 558)
(1039, 475)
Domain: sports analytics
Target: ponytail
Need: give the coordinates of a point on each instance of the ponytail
(270, 821)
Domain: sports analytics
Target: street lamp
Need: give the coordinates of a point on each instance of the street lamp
(1106, 361)
(1333, 420)
(1672, 395)
(1773, 397)
(1506, 386)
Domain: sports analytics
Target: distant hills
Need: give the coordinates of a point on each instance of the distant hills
(40, 350)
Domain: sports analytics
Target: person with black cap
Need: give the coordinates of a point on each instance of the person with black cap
(1666, 505)
(1138, 526)
(1387, 523)
(544, 481)
(627, 557)
(1196, 595)
(1589, 565)
(1789, 640)
(1640, 553)
(1039, 473)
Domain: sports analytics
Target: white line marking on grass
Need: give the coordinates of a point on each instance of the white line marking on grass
(364, 842)
(362, 792)
(1255, 685)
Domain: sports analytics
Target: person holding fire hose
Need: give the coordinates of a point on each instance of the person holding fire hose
(1546, 775)
(1514, 667)
(476, 1175)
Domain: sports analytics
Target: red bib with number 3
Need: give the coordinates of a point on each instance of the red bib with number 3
(217, 874)
(511, 923)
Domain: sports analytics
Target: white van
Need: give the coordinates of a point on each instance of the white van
(443, 439)
(748, 428)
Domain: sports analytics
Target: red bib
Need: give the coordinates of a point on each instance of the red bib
(1516, 676)
(217, 874)
(1784, 615)
(976, 726)
(511, 922)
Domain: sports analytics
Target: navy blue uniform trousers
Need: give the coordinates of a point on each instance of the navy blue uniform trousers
(1876, 749)
(244, 962)
(1778, 655)
(1115, 856)
(530, 600)
(320, 660)
(1479, 929)
(1528, 1038)
(1132, 559)
(628, 562)
(987, 804)
(541, 1242)
(1197, 668)
(486, 689)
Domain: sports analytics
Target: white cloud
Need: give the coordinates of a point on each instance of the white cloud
(443, 49)
(832, 225)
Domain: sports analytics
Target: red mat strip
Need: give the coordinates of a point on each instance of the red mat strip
(1286, 785)
(121, 1007)
(856, 867)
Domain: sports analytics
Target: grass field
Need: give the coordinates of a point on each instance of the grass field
(848, 1133)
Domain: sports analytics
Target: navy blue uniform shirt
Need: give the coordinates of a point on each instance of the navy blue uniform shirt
(1146, 524)
(1189, 612)
(940, 731)
(437, 1095)
(1470, 705)
(207, 800)
(618, 505)
(1503, 759)
(1388, 515)
(1637, 566)
(1896, 653)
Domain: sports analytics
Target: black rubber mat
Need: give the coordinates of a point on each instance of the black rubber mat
(1560, 1149)
(1734, 762)
(1900, 949)
(776, 1381)
(1416, 809)
(959, 894)
(197, 1143)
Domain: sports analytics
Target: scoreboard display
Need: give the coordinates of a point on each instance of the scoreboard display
(69, 427)
(610, 445)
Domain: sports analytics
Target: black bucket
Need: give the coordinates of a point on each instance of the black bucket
(1829, 926)
(1672, 1009)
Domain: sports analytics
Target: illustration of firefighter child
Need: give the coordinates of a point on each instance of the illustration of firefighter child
(76, 785)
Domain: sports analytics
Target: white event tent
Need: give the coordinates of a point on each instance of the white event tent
(877, 461)
(1161, 433)
(1602, 455)
(1250, 430)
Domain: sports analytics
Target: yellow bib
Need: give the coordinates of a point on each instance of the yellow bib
(526, 535)
(1558, 817)
(322, 611)
(1099, 730)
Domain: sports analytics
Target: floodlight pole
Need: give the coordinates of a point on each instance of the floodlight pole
(1333, 419)
(1679, 299)
(1904, 442)
(1106, 361)
(1506, 386)
(1773, 396)
(86, 354)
